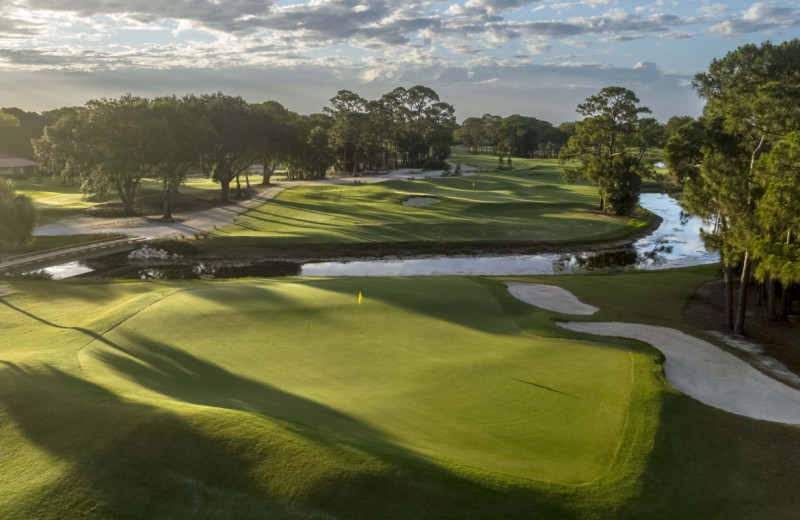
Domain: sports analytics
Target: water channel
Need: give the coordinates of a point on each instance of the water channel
(676, 243)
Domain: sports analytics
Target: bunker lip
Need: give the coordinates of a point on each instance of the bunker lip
(550, 297)
(696, 367)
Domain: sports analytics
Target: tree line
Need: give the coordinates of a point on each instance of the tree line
(515, 135)
(739, 167)
(110, 145)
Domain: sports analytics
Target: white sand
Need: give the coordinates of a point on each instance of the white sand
(709, 374)
(420, 201)
(550, 297)
(693, 366)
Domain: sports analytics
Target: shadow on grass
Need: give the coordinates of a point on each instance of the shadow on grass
(710, 464)
(133, 460)
(125, 460)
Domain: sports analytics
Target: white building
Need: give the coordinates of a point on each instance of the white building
(11, 166)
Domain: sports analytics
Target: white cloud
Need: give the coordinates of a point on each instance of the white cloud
(761, 16)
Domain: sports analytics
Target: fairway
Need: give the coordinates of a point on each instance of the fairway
(528, 206)
(435, 366)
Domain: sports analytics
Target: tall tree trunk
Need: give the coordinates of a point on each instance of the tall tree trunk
(771, 299)
(126, 193)
(741, 305)
(238, 187)
(728, 271)
(167, 203)
(786, 302)
(268, 171)
(224, 186)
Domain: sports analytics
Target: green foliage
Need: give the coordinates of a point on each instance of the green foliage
(110, 146)
(17, 217)
(602, 143)
(778, 211)
(17, 128)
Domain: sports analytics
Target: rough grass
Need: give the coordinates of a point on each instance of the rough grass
(56, 202)
(434, 398)
(531, 206)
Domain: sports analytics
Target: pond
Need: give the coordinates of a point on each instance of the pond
(676, 243)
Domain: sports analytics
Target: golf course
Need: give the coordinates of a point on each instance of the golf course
(433, 397)
(375, 397)
(529, 206)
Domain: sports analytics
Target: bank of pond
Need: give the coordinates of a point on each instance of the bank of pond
(676, 243)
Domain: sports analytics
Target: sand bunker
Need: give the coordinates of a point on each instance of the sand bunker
(550, 297)
(420, 201)
(693, 366)
(709, 374)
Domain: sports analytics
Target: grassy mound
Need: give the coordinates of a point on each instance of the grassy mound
(530, 206)
(434, 367)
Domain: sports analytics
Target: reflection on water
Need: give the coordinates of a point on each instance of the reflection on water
(117, 266)
(676, 243)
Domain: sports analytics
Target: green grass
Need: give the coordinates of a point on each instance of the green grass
(490, 163)
(56, 202)
(435, 398)
(523, 207)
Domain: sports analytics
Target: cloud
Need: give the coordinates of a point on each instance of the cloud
(623, 38)
(232, 16)
(15, 27)
(539, 48)
(761, 16)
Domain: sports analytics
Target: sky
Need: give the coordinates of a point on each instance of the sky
(532, 57)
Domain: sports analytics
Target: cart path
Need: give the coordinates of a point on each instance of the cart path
(188, 224)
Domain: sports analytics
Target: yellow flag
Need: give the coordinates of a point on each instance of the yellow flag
(360, 297)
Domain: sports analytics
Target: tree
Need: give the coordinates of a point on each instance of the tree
(17, 140)
(272, 121)
(673, 124)
(755, 92)
(110, 145)
(185, 135)
(235, 144)
(17, 217)
(602, 142)
(725, 162)
(778, 210)
(471, 133)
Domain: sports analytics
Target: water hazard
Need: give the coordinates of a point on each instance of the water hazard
(676, 243)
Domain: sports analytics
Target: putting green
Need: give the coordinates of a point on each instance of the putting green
(433, 365)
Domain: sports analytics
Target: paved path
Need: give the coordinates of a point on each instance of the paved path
(699, 369)
(30, 261)
(207, 220)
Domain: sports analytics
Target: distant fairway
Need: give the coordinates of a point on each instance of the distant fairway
(529, 206)
(433, 365)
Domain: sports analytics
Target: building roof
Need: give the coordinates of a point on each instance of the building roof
(9, 161)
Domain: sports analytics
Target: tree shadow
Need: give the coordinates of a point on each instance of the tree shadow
(711, 464)
(177, 374)
(125, 460)
(133, 460)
